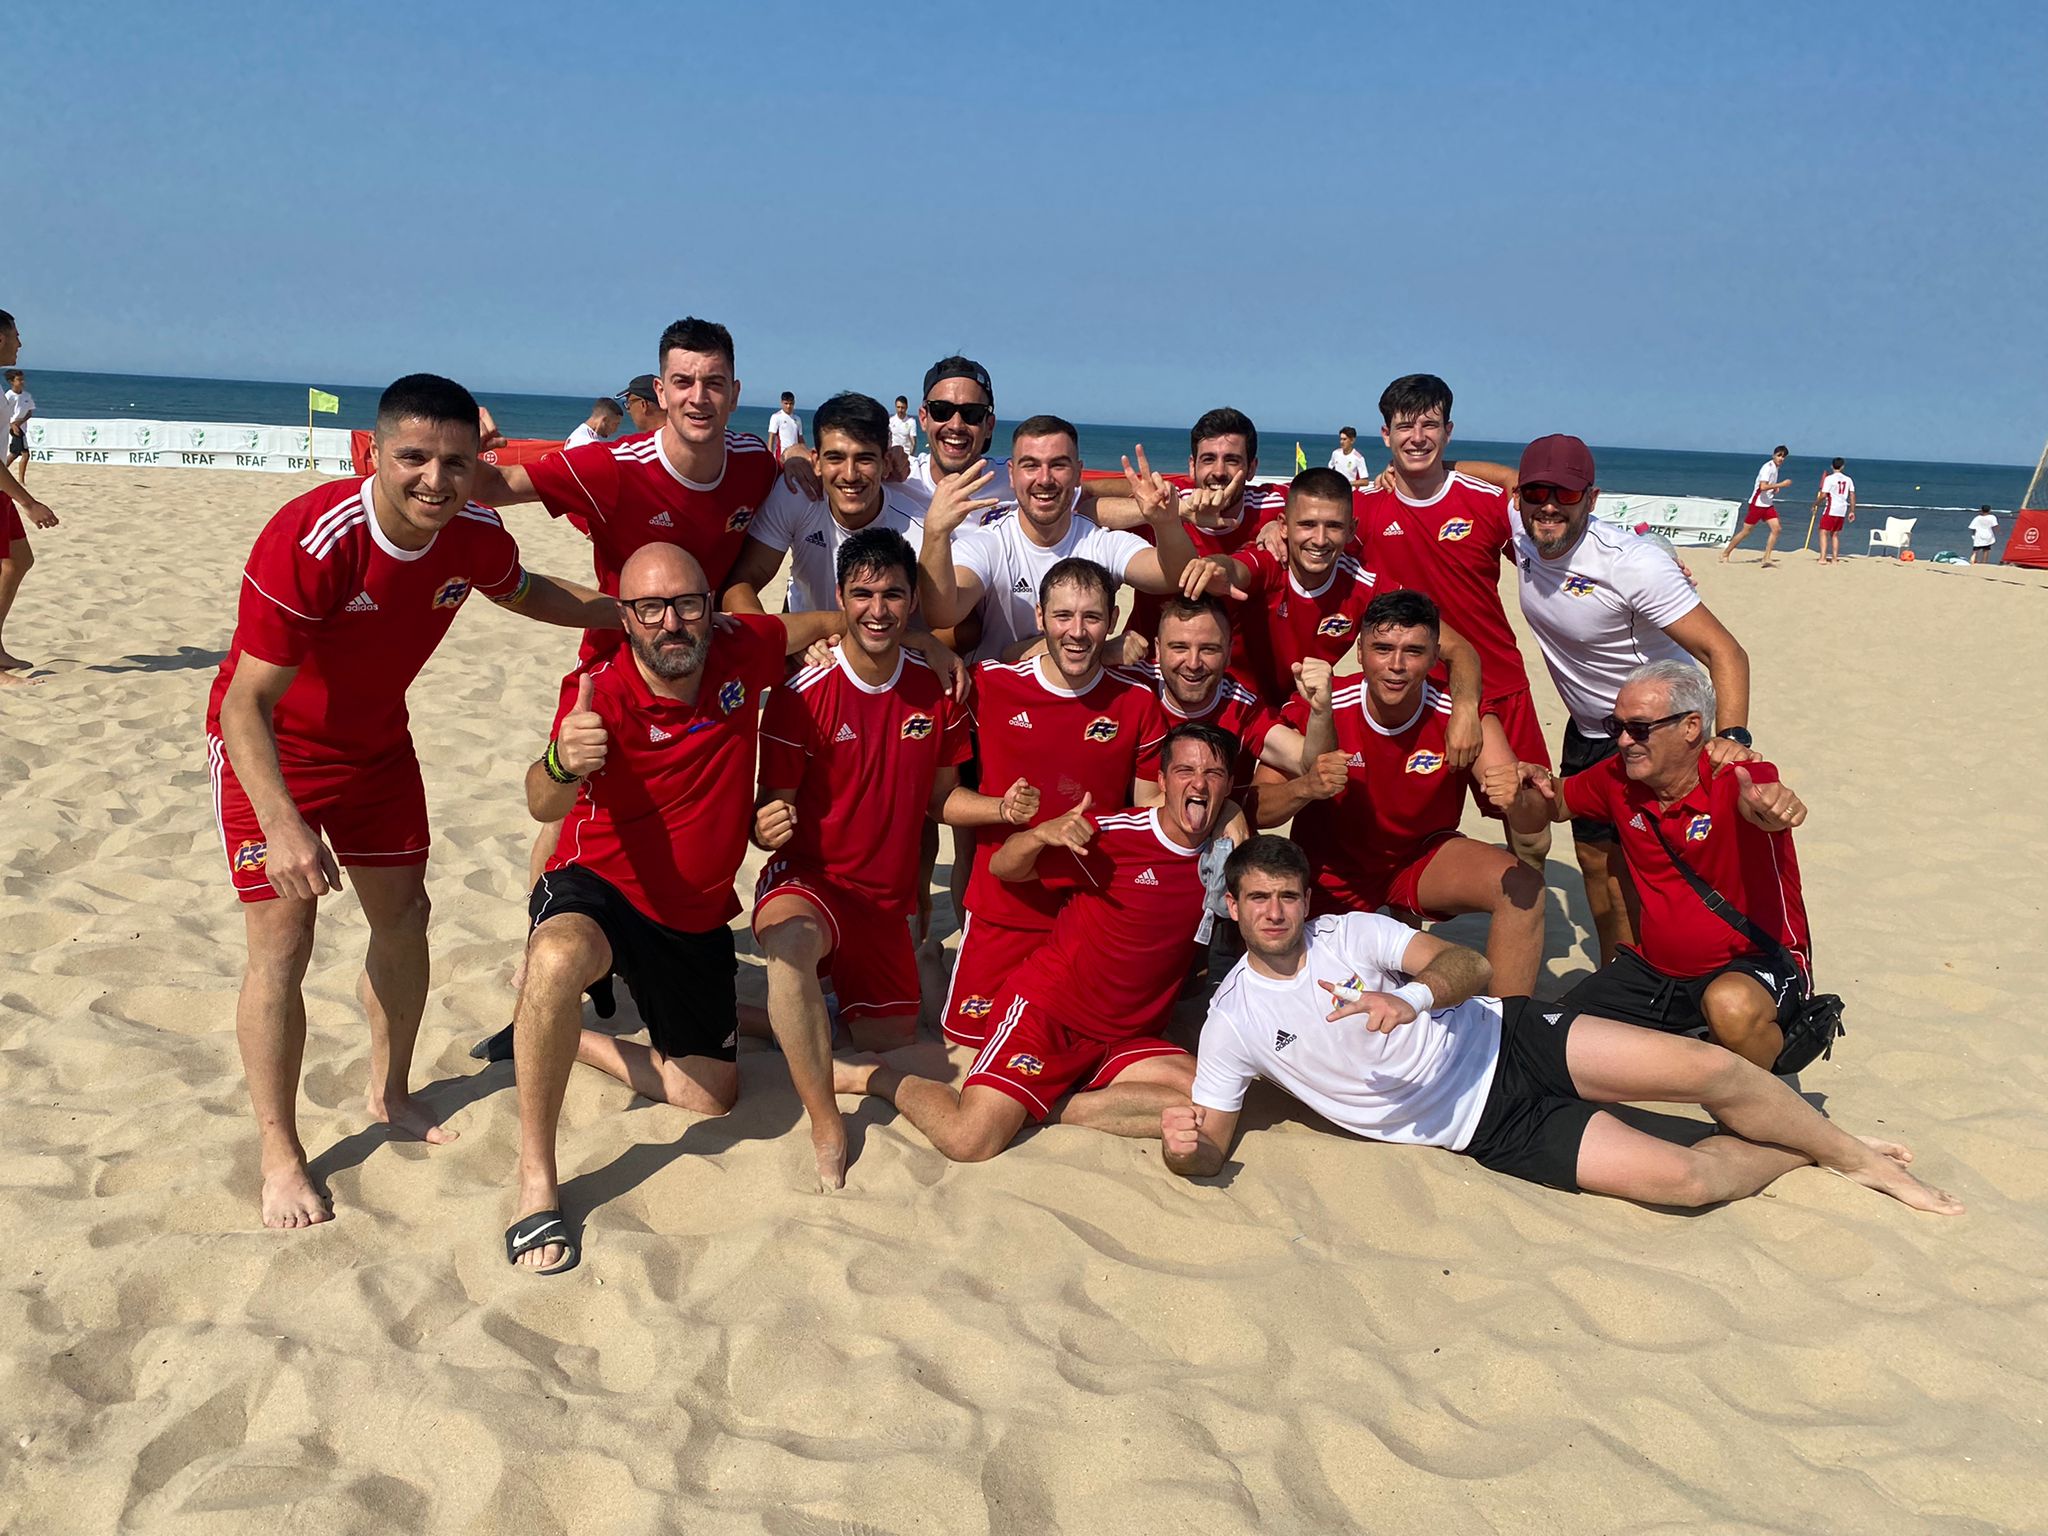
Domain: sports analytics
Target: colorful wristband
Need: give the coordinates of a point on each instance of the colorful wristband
(551, 765)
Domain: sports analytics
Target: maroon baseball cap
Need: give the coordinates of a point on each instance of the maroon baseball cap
(1557, 460)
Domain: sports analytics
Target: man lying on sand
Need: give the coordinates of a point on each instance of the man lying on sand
(1383, 1031)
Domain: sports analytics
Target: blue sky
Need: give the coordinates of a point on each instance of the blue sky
(1716, 228)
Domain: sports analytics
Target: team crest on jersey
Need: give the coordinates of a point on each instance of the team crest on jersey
(1424, 761)
(451, 592)
(917, 727)
(739, 519)
(1024, 1062)
(251, 857)
(1335, 626)
(731, 696)
(1454, 529)
(993, 515)
(1697, 829)
(1578, 586)
(977, 1007)
(1101, 728)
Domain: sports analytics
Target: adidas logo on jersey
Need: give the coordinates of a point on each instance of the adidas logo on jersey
(656, 735)
(661, 520)
(1021, 585)
(1022, 720)
(1392, 530)
(362, 602)
(1637, 822)
(1355, 760)
(816, 536)
(1148, 878)
(845, 733)
(1282, 1039)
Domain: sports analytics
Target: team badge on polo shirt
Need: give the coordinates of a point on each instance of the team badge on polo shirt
(1697, 829)
(1335, 624)
(1578, 586)
(740, 518)
(917, 727)
(452, 592)
(977, 1007)
(1424, 761)
(731, 696)
(1029, 1065)
(1101, 728)
(251, 856)
(1454, 529)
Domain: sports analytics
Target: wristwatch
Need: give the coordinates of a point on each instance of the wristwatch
(1737, 734)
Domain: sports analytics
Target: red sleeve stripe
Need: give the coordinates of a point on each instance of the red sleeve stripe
(287, 607)
(569, 463)
(334, 517)
(321, 541)
(1470, 483)
(1436, 698)
(481, 514)
(782, 741)
(1350, 693)
(810, 677)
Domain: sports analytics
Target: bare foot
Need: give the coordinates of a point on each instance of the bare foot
(11, 679)
(851, 1074)
(829, 1143)
(1888, 1176)
(1766, 565)
(291, 1201)
(1897, 1151)
(408, 1119)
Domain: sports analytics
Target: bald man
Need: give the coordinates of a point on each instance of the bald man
(651, 770)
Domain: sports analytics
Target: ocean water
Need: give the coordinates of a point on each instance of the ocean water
(1942, 496)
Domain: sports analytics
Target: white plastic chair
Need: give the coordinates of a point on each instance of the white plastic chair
(1896, 536)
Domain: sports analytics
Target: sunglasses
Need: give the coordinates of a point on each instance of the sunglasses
(1639, 730)
(689, 607)
(1544, 495)
(946, 410)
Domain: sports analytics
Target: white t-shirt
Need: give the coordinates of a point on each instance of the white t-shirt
(1423, 1083)
(789, 522)
(1011, 566)
(1350, 465)
(903, 434)
(1983, 529)
(1599, 612)
(921, 485)
(584, 433)
(785, 430)
(1838, 488)
(1770, 474)
(19, 404)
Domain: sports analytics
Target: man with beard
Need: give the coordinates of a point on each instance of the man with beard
(1083, 1014)
(651, 772)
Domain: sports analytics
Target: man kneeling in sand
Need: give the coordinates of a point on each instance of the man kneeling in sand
(1384, 1031)
(1085, 1013)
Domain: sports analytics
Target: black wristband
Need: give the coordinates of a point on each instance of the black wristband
(1739, 734)
(551, 765)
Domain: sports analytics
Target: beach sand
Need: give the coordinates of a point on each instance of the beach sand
(1333, 1336)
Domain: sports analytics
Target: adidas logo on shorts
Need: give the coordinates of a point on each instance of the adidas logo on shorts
(845, 733)
(362, 602)
(1282, 1039)
(656, 735)
(1390, 531)
(661, 520)
(1552, 1018)
(1148, 878)
(1022, 720)
(816, 536)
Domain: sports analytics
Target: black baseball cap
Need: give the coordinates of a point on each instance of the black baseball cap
(958, 368)
(643, 386)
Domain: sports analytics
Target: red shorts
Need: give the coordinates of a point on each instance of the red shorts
(1393, 884)
(1754, 514)
(1831, 524)
(989, 954)
(1038, 1061)
(11, 526)
(370, 813)
(870, 959)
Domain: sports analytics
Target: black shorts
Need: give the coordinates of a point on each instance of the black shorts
(683, 982)
(1636, 992)
(1534, 1118)
(970, 771)
(17, 446)
(1580, 753)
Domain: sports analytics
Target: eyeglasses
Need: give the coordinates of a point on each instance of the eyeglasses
(946, 410)
(1544, 495)
(1639, 730)
(689, 607)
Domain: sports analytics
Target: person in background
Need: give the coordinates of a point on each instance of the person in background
(784, 430)
(1983, 529)
(1836, 500)
(600, 424)
(1763, 506)
(903, 430)
(15, 555)
(643, 407)
(21, 405)
(1348, 461)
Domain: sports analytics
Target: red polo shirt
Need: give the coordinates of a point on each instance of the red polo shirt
(1756, 870)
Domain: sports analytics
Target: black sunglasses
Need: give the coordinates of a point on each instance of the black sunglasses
(1544, 495)
(689, 607)
(1639, 730)
(946, 410)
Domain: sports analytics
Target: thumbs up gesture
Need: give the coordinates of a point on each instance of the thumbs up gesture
(1073, 830)
(581, 741)
(1771, 806)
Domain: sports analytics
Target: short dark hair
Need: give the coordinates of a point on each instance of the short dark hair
(16, 373)
(1215, 738)
(903, 399)
(1781, 448)
(787, 396)
(1187, 609)
(608, 405)
(1265, 854)
(1080, 571)
(1045, 426)
(427, 397)
(6, 321)
(861, 417)
(1985, 508)
(1402, 608)
(690, 334)
(1347, 432)
(1414, 394)
(1837, 464)
(874, 550)
(1224, 421)
(1321, 483)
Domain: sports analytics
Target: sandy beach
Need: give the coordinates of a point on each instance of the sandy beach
(1332, 1336)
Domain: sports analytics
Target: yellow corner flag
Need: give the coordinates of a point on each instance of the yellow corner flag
(1300, 459)
(320, 400)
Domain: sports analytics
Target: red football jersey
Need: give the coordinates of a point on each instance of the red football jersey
(326, 592)
(862, 761)
(625, 494)
(1756, 870)
(1402, 794)
(1450, 548)
(1261, 504)
(1064, 744)
(1284, 622)
(1233, 708)
(1121, 946)
(666, 819)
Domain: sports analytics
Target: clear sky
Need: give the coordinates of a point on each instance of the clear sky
(1714, 226)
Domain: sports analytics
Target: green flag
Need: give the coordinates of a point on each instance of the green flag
(320, 400)
(1300, 459)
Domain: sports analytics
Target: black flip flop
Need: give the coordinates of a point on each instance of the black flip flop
(537, 1231)
(496, 1047)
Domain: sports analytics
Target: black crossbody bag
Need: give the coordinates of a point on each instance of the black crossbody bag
(1811, 1033)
